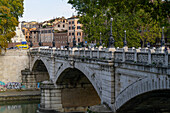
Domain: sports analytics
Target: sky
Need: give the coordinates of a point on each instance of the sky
(41, 10)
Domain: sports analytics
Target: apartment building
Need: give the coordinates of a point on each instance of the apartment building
(74, 30)
(46, 34)
(27, 27)
(60, 39)
(60, 24)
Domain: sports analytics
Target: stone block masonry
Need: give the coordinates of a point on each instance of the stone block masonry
(11, 64)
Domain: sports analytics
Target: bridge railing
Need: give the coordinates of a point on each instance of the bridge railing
(157, 57)
(97, 53)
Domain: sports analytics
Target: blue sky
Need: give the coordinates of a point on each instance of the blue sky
(41, 10)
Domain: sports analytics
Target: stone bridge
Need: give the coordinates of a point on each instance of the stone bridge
(125, 79)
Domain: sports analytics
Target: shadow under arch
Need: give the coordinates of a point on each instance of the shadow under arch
(156, 101)
(78, 91)
(40, 71)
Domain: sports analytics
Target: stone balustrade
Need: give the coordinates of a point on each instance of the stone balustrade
(147, 56)
(157, 57)
(76, 52)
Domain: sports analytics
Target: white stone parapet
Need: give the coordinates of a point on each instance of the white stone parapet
(141, 55)
(157, 57)
(98, 53)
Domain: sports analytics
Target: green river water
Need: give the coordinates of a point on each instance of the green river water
(19, 107)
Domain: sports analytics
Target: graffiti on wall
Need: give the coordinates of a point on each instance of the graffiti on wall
(14, 85)
(2, 86)
(11, 85)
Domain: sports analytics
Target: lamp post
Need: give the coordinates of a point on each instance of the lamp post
(74, 40)
(124, 42)
(68, 45)
(111, 39)
(53, 43)
(31, 44)
(162, 39)
(40, 39)
(100, 39)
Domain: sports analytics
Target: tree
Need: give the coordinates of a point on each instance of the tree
(10, 10)
(142, 19)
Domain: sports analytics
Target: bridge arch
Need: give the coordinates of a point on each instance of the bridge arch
(44, 62)
(142, 87)
(89, 73)
(40, 69)
(78, 90)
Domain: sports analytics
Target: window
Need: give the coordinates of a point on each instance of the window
(69, 28)
(58, 25)
(78, 33)
(78, 22)
(63, 21)
(69, 22)
(78, 39)
(72, 22)
(63, 26)
(78, 27)
(69, 34)
(72, 33)
(72, 27)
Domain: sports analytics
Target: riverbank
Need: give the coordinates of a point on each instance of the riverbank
(20, 95)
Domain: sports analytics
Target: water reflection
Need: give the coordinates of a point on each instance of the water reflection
(19, 107)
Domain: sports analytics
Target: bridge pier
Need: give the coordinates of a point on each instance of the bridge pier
(29, 79)
(50, 97)
(32, 79)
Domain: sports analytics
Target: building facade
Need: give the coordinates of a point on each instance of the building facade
(46, 34)
(27, 27)
(74, 30)
(60, 24)
(60, 39)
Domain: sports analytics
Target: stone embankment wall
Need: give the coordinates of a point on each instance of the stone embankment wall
(11, 64)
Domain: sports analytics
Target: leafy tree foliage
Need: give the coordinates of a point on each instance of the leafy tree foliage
(142, 19)
(10, 10)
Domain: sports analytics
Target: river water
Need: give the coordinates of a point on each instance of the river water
(19, 107)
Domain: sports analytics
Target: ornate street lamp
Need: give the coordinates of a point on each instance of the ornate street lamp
(111, 39)
(124, 42)
(31, 44)
(53, 43)
(40, 39)
(100, 39)
(68, 45)
(74, 40)
(148, 44)
(162, 39)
